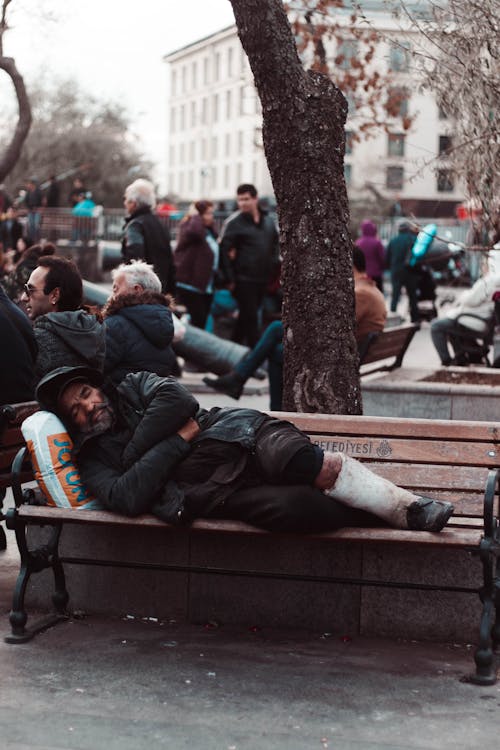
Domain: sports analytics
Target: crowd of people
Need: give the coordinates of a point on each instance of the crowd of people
(142, 442)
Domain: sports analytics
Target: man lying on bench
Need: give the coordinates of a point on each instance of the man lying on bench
(147, 447)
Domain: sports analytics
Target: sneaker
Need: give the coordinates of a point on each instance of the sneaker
(426, 514)
(230, 384)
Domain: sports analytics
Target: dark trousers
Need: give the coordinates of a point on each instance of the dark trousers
(281, 497)
(249, 296)
(409, 280)
(197, 304)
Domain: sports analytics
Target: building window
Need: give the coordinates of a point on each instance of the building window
(348, 142)
(174, 83)
(395, 144)
(193, 114)
(348, 174)
(347, 51)
(228, 144)
(214, 176)
(215, 107)
(397, 102)
(216, 66)
(228, 104)
(214, 147)
(399, 57)
(172, 120)
(445, 145)
(192, 147)
(182, 154)
(242, 100)
(184, 79)
(204, 110)
(182, 118)
(206, 70)
(230, 62)
(194, 75)
(240, 141)
(239, 172)
(445, 181)
(203, 149)
(171, 156)
(394, 178)
(226, 177)
(190, 180)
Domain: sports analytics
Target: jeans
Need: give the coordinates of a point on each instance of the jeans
(442, 331)
(270, 347)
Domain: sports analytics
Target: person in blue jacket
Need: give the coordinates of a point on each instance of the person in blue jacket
(138, 324)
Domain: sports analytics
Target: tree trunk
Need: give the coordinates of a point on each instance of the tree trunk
(13, 150)
(304, 115)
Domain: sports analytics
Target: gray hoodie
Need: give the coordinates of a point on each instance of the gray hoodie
(68, 338)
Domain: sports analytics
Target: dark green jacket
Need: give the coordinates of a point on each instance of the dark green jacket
(129, 468)
(399, 251)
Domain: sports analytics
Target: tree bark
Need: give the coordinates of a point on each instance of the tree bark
(304, 115)
(13, 150)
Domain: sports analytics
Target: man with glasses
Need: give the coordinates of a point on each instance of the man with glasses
(65, 333)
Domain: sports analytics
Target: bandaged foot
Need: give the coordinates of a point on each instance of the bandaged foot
(359, 487)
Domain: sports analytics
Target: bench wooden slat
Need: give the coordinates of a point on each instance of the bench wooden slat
(433, 429)
(413, 450)
(449, 537)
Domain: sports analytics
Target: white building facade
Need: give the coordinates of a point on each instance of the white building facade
(215, 141)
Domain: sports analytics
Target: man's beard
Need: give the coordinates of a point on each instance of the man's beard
(100, 419)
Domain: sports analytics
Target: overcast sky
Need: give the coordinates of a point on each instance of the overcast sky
(114, 48)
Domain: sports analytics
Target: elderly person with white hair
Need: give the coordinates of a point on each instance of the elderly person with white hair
(145, 237)
(138, 324)
(471, 315)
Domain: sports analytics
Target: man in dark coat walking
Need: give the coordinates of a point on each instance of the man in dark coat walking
(145, 237)
(249, 253)
(402, 275)
(147, 447)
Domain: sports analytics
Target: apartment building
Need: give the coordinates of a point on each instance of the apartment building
(215, 140)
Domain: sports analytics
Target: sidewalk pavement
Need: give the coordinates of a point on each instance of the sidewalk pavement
(128, 684)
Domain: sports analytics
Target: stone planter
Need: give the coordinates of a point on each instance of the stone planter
(475, 394)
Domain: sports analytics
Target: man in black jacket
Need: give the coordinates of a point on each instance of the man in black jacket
(249, 252)
(147, 447)
(145, 237)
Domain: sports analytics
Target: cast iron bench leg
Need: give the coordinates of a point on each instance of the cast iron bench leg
(33, 561)
(484, 657)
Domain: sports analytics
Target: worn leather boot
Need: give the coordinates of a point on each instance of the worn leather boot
(359, 487)
(230, 384)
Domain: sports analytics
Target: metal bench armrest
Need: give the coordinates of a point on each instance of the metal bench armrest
(490, 519)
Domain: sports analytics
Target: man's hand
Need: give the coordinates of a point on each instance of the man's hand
(189, 430)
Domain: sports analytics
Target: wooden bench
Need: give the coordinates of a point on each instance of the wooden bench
(458, 461)
(380, 346)
(11, 440)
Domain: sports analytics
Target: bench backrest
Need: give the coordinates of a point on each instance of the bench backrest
(11, 438)
(384, 345)
(444, 459)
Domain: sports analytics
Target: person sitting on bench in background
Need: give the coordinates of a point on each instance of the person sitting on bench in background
(147, 447)
(66, 334)
(371, 314)
(476, 307)
(138, 323)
